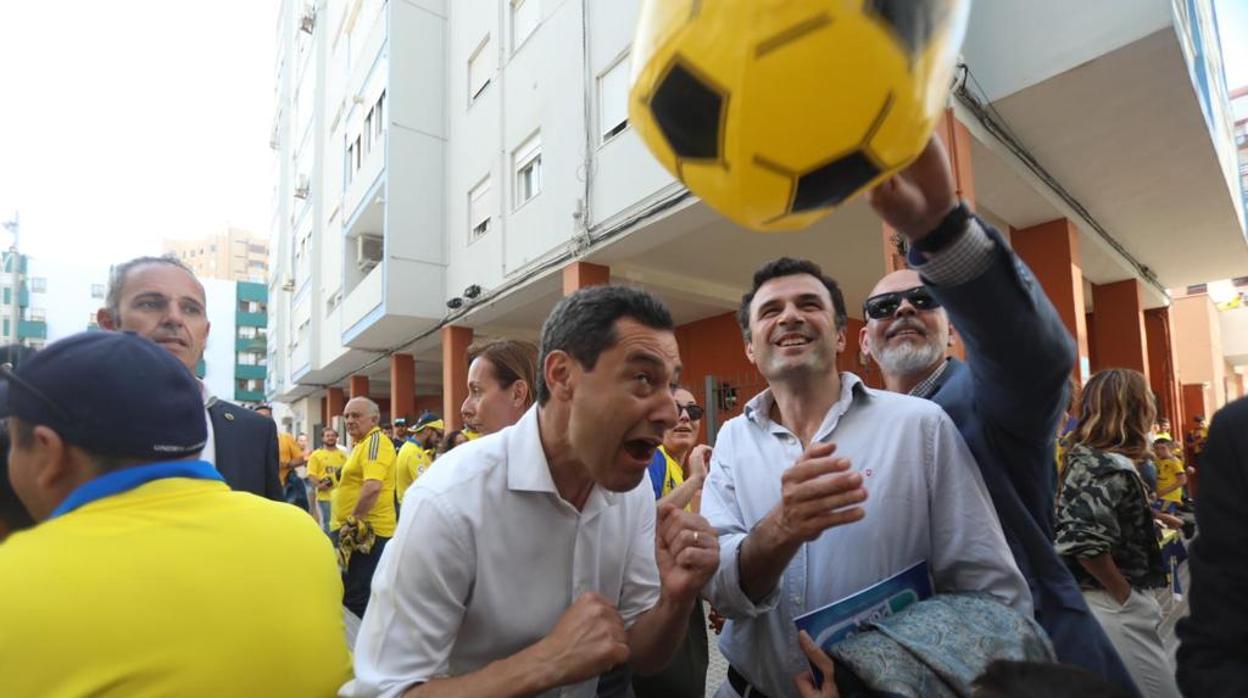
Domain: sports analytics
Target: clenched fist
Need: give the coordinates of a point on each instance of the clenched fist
(588, 639)
(686, 550)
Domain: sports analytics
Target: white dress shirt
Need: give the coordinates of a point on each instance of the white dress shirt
(210, 446)
(488, 556)
(925, 501)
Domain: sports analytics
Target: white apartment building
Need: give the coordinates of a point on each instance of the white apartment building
(439, 164)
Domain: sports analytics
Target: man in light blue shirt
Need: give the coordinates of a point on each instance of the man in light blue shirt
(824, 486)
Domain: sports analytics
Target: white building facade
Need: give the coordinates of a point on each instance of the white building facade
(439, 164)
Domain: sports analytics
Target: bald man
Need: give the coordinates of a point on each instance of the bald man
(1008, 396)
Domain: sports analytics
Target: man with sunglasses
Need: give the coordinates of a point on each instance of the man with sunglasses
(1007, 397)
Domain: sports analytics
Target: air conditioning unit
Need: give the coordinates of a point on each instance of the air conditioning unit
(307, 20)
(288, 284)
(368, 251)
(302, 187)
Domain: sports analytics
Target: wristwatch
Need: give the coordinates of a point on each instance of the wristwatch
(950, 227)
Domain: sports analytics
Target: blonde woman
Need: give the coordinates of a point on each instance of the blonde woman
(1105, 529)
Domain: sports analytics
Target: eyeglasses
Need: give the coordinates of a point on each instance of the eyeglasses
(695, 412)
(885, 304)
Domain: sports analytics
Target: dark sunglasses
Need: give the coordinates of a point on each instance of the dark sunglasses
(695, 412)
(885, 304)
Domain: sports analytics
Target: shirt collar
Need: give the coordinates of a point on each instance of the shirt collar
(126, 479)
(927, 386)
(528, 470)
(758, 409)
(206, 393)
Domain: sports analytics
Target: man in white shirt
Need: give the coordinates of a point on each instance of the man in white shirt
(531, 560)
(789, 484)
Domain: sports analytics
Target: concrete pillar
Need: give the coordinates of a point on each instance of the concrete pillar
(1161, 366)
(957, 140)
(578, 275)
(402, 386)
(455, 341)
(335, 402)
(1052, 251)
(358, 386)
(1118, 313)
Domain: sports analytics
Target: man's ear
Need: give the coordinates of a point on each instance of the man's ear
(864, 342)
(558, 371)
(50, 457)
(104, 319)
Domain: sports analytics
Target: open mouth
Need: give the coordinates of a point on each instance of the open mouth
(907, 331)
(792, 339)
(641, 450)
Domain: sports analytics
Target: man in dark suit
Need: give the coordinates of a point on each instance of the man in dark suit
(160, 298)
(1213, 649)
(1007, 398)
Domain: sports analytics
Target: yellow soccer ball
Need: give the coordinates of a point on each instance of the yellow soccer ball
(776, 111)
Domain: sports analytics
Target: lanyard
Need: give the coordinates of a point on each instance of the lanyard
(127, 479)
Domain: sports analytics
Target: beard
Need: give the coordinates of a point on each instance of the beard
(909, 358)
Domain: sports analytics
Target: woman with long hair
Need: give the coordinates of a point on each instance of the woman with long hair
(1105, 529)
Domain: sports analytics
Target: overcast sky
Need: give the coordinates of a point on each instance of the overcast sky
(126, 121)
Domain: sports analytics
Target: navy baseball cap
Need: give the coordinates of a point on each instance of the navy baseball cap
(110, 393)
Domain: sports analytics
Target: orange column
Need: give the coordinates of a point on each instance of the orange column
(402, 386)
(1052, 251)
(578, 275)
(1118, 313)
(1161, 362)
(324, 412)
(358, 386)
(336, 402)
(455, 341)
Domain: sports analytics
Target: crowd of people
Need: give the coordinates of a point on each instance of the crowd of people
(577, 536)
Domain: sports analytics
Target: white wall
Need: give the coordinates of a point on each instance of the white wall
(1014, 44)
(220, 354)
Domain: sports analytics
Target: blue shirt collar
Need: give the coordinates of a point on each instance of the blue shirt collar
(126, 479)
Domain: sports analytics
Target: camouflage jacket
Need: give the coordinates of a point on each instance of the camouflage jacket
(1102, 508)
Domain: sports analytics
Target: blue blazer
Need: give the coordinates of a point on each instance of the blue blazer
(246, 449)
(1006, 401)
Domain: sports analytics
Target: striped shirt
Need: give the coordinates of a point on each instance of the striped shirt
(373, 458)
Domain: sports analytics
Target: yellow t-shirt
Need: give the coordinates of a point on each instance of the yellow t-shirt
(326, 463)
(288, 452)
(1168, 472)
(412, 462)
(372, 459)
(179, 587)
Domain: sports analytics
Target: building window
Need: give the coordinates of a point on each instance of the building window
(38, 284)
(613, 99)
(359, 153)
(524, 19)
(97, 290)
(350, 162)
(37, 315)
(528, 167)
(480, 70)
(479, 210)
(368, 132)
(378, 116)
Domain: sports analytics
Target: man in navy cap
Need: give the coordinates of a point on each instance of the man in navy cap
(160, 298)
(139, 540)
